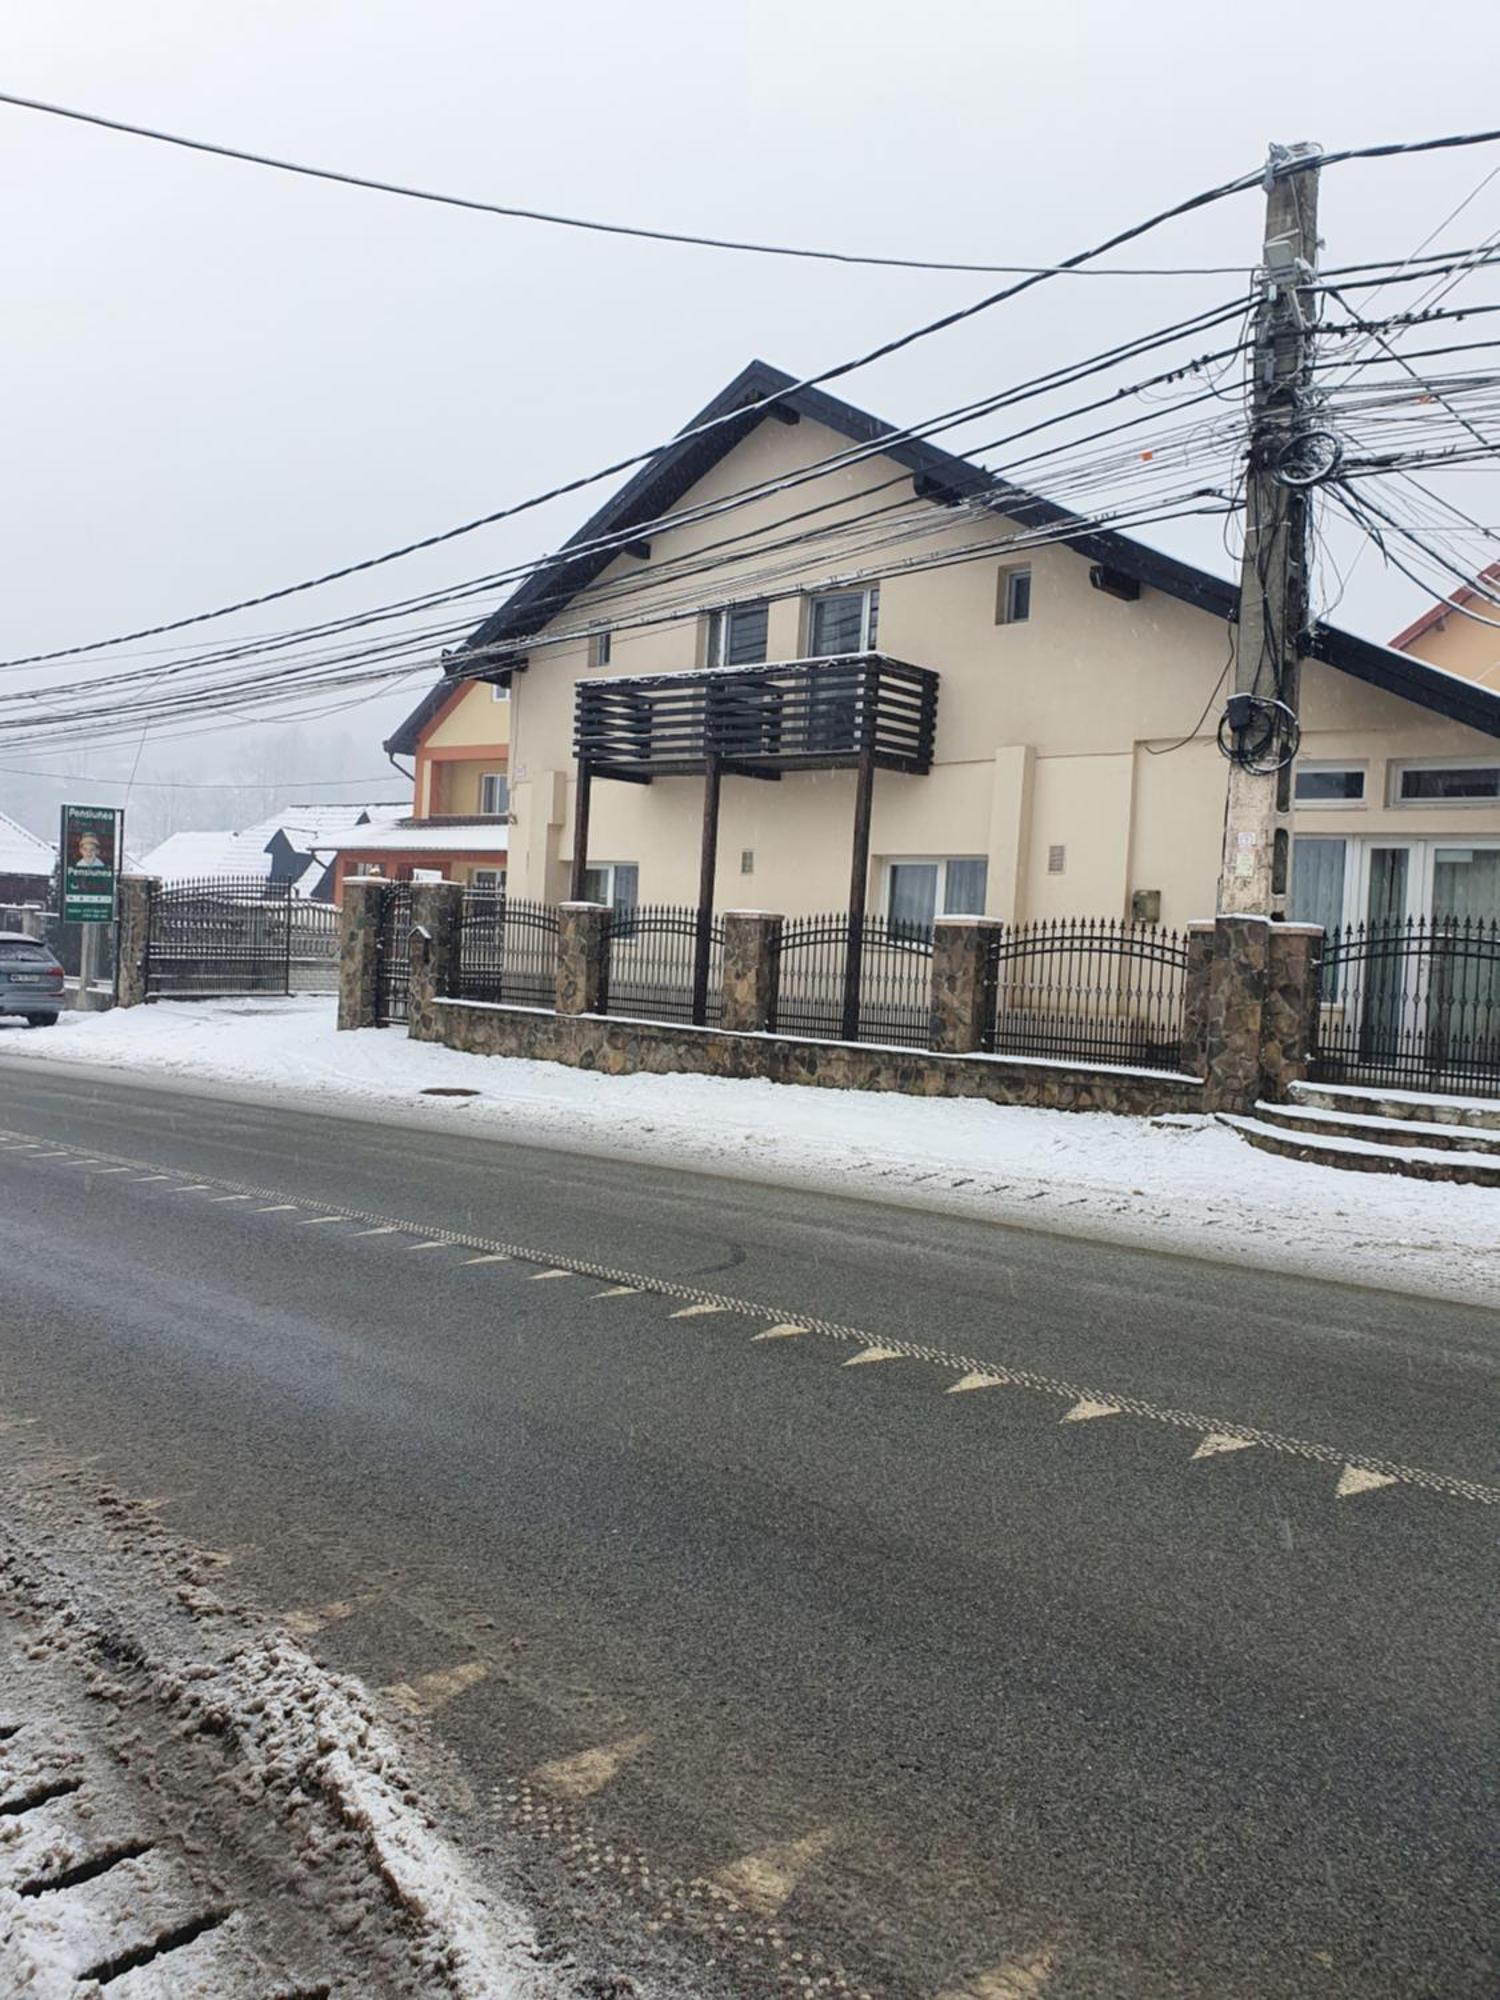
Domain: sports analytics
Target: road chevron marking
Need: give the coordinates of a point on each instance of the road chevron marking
(875, 1353)
(1219, 1441)
(1386, 1471)
(1086, 1409)
(783, 1330)
(975, 1381)
(696, 1312)
(1360, 1479)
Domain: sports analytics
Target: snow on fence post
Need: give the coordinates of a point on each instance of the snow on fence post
(359, 951)
(437, 910)
(752, 970)
(583, 957)
(963, 996)
(137, 898)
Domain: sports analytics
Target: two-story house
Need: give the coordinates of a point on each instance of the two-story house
(803, 661)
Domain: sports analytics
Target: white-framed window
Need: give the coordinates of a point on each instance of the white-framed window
(494, 792)
(918, 891)
(499, 693)
(737, 635)
(1329, 785)
(487, 881)
(1447, 783)
(843, 621)
(614, 882)
(1381, 878)
(1013, 596)
(600, 649)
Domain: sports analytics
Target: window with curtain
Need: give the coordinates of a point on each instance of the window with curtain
(917, 890)
(1318, 882)
(737, 635)
(494, 792)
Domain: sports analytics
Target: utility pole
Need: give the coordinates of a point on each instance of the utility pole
(1259, 731)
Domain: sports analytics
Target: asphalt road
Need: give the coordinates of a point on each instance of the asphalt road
(1159, 1664)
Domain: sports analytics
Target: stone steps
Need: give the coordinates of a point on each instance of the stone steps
(1388, 1154)
(1314, 1122)
(1418, 1106)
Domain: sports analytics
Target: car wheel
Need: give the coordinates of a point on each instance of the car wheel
(41, 1020)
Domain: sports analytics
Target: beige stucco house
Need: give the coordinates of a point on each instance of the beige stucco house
(1060, 758)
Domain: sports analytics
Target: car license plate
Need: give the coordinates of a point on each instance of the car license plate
(27, 978)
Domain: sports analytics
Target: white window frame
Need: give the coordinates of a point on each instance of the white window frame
(607, 869)
(488, 881)
(499, 693)
(1312, 766)
(1423, 849)
(488, 778)
(1010, 574)
(601, 648)
(716, 631)
(1398, 768)
(942, 863)
(869, 618)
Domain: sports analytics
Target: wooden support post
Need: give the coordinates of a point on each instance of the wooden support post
(708, 862)
(859, 878)
(581, 798)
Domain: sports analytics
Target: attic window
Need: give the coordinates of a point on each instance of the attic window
(600, 649)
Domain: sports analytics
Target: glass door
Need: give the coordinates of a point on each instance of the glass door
(1463, 1001)
(1391, 1010)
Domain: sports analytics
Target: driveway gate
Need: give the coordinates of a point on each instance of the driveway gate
(229, 935)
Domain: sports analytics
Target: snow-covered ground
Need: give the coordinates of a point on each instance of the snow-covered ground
(1185, 1185)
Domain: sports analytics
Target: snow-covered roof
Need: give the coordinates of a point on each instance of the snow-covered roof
(22, 852)
(184, 857)
(479, 836)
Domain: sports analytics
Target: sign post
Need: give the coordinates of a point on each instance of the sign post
(90, 856)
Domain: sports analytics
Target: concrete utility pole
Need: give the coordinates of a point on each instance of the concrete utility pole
(1259, 730)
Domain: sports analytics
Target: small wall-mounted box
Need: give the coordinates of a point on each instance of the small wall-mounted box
(1145, 906)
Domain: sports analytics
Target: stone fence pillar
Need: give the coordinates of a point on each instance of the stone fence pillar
(437, 910)
(752, 970)
(359, 950)
(583, 957)
(963, 993)
(136, 899)
(1289, 1021)
(1251, 1007)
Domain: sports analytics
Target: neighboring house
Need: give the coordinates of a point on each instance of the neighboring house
(1053, 755)
(288, 847)
(459, 828)
(26, 865)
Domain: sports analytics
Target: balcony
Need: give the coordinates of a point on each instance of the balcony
(855, 710)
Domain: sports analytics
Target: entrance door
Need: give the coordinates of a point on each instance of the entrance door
(1463, 1002)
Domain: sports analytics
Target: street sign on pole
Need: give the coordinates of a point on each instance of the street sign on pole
(90, 863)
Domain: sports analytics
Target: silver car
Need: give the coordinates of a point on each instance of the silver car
(31, 980)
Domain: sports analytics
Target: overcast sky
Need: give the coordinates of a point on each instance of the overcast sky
(220, 379)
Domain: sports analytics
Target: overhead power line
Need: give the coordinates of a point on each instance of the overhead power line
(518, 214)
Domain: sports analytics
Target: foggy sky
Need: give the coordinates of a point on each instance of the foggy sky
(220, 380)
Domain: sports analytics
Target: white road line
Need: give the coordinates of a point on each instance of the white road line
(278, 1208)
(868, 1354)
(619, 1292)
(588, 1771)
(155, 1177)
(429, 1692)
(783, 1330)
(231, 1197)
(438, 1243)
(1086, 1408)
(976, 1379)
(385, 1229)
(1018, 1979)
(494, 1257)
(538, 1276)
(696, 1312)
(321, 1221)
(763, 1881)
(126, 1170)
(200, 1187)
(1357, 1479)
(1218, 1441)
(1097, 1401)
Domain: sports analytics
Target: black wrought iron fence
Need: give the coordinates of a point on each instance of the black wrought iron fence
(892, 998)
(239, 934)
(507, 950)
(1088, 989)
(1412, 1003)
(393, 954)
(666, 963)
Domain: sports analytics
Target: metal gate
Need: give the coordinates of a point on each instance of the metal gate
(230, 935)
(1412, 1003)
(393, 954)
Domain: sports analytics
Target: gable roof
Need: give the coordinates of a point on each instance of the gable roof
(1466, 593)
(658, 486)
(406, 739)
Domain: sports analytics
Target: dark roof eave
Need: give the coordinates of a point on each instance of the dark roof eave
(656, 487)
